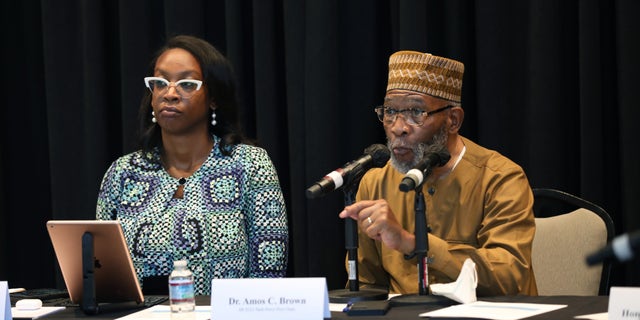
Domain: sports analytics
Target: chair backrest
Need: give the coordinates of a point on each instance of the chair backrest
(568, 228)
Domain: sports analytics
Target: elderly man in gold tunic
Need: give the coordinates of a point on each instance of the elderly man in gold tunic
(478, 204)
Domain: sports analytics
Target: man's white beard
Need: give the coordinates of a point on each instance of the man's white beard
(437, 144)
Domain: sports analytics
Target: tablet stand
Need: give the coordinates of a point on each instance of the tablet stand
(88, 304)
(422, 247)
(354, 293)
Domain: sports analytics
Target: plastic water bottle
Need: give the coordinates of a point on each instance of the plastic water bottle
(181, 292)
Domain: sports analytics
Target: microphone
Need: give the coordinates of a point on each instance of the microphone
(622, 248)
(375, 155)
(415, 176)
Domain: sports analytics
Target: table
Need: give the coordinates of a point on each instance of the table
(577, 305)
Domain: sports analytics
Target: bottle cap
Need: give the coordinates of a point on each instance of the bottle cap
(180, 263)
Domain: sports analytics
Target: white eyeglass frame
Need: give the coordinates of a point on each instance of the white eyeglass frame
(169, 84)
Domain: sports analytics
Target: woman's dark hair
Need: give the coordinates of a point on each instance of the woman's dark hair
(220, 83)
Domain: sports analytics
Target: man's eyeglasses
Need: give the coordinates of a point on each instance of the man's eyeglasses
(412, 116)
(185, 87)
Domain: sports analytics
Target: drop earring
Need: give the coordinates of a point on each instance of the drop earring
(213, 118)
(153, 117)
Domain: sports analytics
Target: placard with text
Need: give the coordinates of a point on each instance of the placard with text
(272, 298)
(5, 302)
(624, 303)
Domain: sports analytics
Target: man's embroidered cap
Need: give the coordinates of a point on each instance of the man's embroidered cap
(423, 72)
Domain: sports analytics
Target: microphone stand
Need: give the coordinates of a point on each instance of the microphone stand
(421, 249)
(354, 293)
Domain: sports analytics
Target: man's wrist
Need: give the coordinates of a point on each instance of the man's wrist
(409, 244)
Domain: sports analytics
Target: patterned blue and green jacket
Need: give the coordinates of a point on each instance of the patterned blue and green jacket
(230, 223)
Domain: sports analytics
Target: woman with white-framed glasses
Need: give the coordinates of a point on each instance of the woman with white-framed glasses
(196, 189)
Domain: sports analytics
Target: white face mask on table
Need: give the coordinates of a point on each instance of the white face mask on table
(463, 289)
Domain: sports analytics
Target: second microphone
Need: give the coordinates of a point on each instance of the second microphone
(416, 176)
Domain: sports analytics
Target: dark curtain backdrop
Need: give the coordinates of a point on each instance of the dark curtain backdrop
(552, 84)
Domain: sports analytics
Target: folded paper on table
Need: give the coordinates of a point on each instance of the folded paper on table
(463, 289)
(493, 310)
(34, 314)
(163, 312)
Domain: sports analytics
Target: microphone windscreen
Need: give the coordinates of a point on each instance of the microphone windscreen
(444, 157)
(379, 153)
(437, 154)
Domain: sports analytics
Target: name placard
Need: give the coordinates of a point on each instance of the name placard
(272, 298)
(624, 303)
(5, 302)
